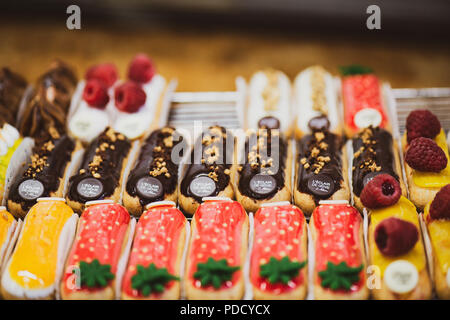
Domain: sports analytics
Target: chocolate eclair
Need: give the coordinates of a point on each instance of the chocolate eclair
(265, 173)
(100, 175)
(49, 102)
(46, 175)
(321, 170)
(154, 176)
(374, 152)
(12, 89)
(210, 172)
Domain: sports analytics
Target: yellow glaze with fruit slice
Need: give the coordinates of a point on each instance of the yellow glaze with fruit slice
(405, 210)
(34, 262)
(6, 221)
(439, 231)
(434, 179)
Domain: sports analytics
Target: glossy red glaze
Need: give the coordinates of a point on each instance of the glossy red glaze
(277, 233)
(156, 241)
(102, 231)
(360, 92)
(218, 235)
(338, 238)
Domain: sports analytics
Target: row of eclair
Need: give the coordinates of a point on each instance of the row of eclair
(105, 254)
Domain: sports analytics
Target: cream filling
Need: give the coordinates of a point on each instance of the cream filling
(87, 122)
(304, 103)
(133, 125)
(282, 109)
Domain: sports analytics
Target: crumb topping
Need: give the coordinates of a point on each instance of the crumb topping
(271, 92)
(316, 157)
(317, 80)
(367, 150)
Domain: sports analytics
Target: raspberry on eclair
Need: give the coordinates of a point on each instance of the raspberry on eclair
(374, 152)
(427, 164)
(88, 116)
(395, 241)
(437, 220)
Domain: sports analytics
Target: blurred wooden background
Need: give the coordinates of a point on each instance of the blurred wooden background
(208, 57)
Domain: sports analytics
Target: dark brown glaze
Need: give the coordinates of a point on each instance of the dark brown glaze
(372, 155)
(319, 123)
(12, 88)
(155, 162)
(319, 161)
(48, 164)
(264, 164)
(211, 160)
(269, 123)
(50, 102)
(102, 165)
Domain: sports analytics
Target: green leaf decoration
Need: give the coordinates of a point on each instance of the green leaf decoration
(214, 272)
(354, 69)
(151, 279)
(280, 271)
(339, 276)
(95, 274)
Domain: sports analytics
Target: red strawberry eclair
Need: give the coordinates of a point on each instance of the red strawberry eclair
(99, 253)
(217, 250)
(278, 266)
(155, 260)
(339, 266)
(363, 100)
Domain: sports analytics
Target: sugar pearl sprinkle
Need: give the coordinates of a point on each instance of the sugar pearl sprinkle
(282, 238)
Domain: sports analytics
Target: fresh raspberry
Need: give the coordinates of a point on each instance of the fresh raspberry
(141, 69)
(105, 72)
(422, 123)
(424, 154)
(95, 94)
(440, 207)
(129, 97)
(382, 191)
(395, 237)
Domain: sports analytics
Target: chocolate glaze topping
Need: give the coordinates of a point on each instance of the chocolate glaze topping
(372, 155)
(320, 123)
(262, 174)
(12, 88)
(154, 163)
(319, 160)
(269, 123)
(212, 174)
(101, 168)
(43, 176)
(50, 102)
